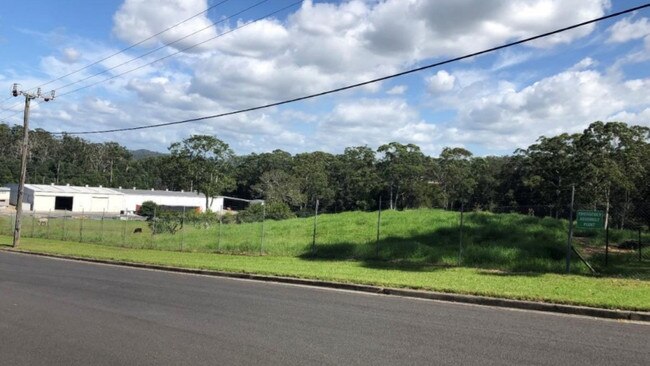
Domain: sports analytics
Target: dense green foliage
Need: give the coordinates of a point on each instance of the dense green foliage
(609, 163)
(274, 210)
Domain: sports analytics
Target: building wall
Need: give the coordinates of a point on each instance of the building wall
(81, 202)
(27, 197)
(133, 201)
(4, 198)
(97, 202)
(43, 201)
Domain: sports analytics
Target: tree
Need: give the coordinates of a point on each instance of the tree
(487, 173)
(280, 186)
(250, 169)
(357, 177)
(312, 170)
(403, 169)
(455, 175)
(611, 157)
(207, 161)
(550, 168)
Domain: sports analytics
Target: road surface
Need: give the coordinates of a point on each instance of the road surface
(59, 312)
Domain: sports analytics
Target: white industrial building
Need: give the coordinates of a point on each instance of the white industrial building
(133, 199)
(43, 198)
(4, 197)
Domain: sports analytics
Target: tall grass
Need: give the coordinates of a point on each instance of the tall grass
(511, 242)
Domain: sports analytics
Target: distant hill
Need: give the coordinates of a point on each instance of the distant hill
(144, 153)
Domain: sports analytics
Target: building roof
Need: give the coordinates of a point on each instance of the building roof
(145, 192)
(50, 188)
(4, 189)
(67, 189)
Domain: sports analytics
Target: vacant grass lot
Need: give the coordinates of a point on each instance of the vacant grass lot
(569, 289)
(508, 242)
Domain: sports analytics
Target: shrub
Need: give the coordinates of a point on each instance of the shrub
(201, 220)
(229, 218)
(273, 211)
(252, 213)
(148, 209)
(278, 211)
(166, 222)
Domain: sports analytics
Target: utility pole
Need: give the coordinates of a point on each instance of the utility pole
(15, 91)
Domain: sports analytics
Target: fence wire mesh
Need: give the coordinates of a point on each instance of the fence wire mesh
(507, 238)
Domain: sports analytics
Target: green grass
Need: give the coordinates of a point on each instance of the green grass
(620, 293)
(508, 242)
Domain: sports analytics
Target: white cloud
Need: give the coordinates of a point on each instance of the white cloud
(440, 82)
(565, 102)
(626, 30)
(325, 45)
(263, 39)
(639, 118)
(70, 55)
(585, 63)
(374, 122)
(509, 58)
(98, 105)
(397, 90)
(137, 20)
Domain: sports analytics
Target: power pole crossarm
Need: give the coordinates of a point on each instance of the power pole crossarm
(15, 91)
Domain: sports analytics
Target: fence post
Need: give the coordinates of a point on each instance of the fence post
(65, 214)
(49, 217)
(101, 227)
(262, 236)
(13, 223)
(33, 219)
(183, 229)
(126, 225)
(219, 234)
(606, 241)
(153, 228)
(639, 244)
(81, 226)
(378, 228)
(569, 244)
(460, 234)
(313, 241)
(123, 229)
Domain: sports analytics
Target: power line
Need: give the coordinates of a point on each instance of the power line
(133, 45)
(352, 86)
(157, 49)
(164, 45)
(184, 49)
(118, 52)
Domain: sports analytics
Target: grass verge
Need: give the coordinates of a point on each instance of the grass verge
(611, 293)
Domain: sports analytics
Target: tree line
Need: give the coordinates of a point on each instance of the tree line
(608, 163)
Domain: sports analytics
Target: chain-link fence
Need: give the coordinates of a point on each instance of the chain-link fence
(513, 239)
(537, 238)
(613, 240)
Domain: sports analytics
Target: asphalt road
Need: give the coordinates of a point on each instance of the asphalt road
(57, 312)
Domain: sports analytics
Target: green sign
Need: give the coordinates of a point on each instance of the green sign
(590, 219)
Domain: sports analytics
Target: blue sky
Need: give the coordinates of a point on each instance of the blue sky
(491, 104)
